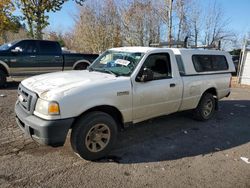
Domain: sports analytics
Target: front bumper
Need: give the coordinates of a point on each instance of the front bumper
(47, 132)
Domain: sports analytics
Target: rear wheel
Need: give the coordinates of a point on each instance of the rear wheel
(93, 135)
(206, 108)
(81, 66)
(3, 77)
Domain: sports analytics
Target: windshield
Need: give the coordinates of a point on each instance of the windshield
(118, 63)
(8, 45)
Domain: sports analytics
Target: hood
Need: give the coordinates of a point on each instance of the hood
(64, 81)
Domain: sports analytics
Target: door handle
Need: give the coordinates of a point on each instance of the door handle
(172, 85)
(32, 56)
(57, 56)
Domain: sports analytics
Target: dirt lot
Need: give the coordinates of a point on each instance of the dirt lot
(171, 151)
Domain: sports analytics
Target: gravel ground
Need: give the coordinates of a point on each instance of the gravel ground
(170, 151)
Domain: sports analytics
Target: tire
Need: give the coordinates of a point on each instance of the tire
(81, 66)
(3, 79)
(93, 135)
(206, 108)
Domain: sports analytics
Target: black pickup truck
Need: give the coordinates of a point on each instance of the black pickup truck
(32, 57)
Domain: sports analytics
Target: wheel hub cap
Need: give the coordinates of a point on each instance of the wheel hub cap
(208, 107)
(97, 138)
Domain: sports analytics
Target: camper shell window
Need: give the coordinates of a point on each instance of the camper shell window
(207, 63)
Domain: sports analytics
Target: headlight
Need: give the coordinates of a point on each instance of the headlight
(47, 108)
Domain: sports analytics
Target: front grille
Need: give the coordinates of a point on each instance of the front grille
(26, 99)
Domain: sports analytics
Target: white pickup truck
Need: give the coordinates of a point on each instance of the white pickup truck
(123, 86)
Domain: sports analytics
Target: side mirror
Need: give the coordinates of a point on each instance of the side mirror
(147, 75)
(16, 50)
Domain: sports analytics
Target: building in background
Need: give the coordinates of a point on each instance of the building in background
(244, 65)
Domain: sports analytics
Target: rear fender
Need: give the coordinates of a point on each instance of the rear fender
(79, 62)
(5, 67)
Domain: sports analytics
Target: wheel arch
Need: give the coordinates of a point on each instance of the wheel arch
(214, 92)
(111, 110)
(5, 68)
(81, 61)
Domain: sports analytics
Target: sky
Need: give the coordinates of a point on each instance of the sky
(238, 12)
(63, 20)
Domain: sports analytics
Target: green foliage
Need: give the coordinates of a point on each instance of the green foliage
(56, 37)
(34, 13)
(8, 22)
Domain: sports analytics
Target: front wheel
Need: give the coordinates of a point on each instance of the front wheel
(206, 108)
(93, 135)
(3, 78)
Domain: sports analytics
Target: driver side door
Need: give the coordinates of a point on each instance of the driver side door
(160, 96)
(24, 62)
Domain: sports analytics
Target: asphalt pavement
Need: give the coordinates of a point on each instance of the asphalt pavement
(170, 151)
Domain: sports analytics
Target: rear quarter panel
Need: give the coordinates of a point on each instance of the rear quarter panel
(195, 86)
(196, 83)
(71, 59)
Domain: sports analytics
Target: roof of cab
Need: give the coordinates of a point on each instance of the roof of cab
(175, 50)
(186, 55)
(134, 49)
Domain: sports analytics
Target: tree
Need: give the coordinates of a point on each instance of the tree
(174, 13)
(141, 24)
(195, 22)
(111, 22)
(8, 21)
(16, 35)
(215, 26)
(164, 11)
(97, 27)
(34, 12)
(170, 24)
(182, 8)
(100, 25)
(51, 35)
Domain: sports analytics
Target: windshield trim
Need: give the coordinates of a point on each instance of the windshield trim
(7, 46)
(105, 70)
(108, 70)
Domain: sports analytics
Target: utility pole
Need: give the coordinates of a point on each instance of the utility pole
(170, 22)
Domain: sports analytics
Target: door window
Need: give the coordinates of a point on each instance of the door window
(21, 46)
(48, 47)
(159, 64)
(31, 47)
(27, 47)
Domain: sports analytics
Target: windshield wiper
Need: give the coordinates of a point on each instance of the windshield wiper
(102, 70)
(90, 69)
(109, 71)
